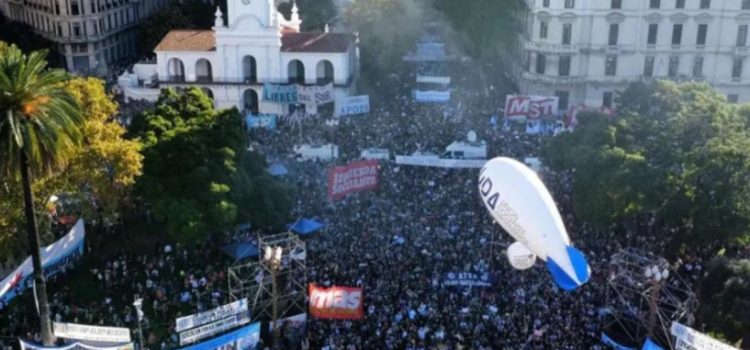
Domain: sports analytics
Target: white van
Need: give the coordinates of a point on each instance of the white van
(321, 152)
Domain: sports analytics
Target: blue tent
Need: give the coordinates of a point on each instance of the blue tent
(650, 345)
(306, 226)
(277, 170)
(241, 250)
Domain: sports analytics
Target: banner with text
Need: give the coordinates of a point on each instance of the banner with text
(267, 121)
(353, 177)
(297, 322)
(210, 329)
(74, 346)
(91, 333)
(245, 338)
(55, 258)
(213, 315)
(688, 338)
(341, 303)
(353, 105)
(467, 279)
(437, 162)
(523, 107)
(432, 96)
(302, 94)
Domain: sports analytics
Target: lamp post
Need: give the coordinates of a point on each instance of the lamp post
(656, 276)
(138, 304)
(272, 257)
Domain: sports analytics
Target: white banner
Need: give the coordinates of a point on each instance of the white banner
(440, 162)
(213, 315)
(91, 333)
(433, 80)
(54, 258)
(690, 339)
(74, 346)
(315, 94)
(523, 107)
(208, 330)
(353, 105)
(432, 96)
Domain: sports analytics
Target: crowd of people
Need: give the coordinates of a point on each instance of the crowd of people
(396, 242)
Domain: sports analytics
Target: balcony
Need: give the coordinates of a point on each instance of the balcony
(552, 79)
(243, 82)
(551, 48)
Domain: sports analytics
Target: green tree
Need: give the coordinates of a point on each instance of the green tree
(189, 14)
(197, 176)
(680, 152)
(40, 130)
(725, 307)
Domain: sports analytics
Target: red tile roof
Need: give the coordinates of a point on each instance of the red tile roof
(188, 40)
(316, 42)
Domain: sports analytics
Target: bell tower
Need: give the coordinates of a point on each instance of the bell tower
(262, 10)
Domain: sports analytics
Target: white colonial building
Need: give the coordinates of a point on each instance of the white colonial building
(90, 34)
(232, 62)
(585, 50)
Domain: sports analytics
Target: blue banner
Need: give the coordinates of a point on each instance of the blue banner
(267, 121)
(467, 279)
(245, 338)
(609, 341)
(280, 93)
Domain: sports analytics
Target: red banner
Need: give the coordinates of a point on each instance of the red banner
(340, 303)
(353, 177)
(530, 107)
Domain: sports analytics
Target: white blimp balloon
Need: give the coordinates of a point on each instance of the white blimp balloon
(520, 257)
(521, 204)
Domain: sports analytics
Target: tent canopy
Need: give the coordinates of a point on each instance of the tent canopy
(242, 250)
(277, 170)
(306, 226)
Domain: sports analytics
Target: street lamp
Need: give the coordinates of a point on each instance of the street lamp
(272, 257)
(656, 276)
(138, 304)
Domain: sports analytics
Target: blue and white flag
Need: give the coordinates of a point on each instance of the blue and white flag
(267, 121)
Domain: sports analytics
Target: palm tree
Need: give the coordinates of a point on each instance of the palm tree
(39, 129)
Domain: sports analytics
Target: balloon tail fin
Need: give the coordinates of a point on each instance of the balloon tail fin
(580, 267)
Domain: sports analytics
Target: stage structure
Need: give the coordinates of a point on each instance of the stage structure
(275, 286)
(644, 296)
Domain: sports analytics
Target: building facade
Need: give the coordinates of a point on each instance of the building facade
(255, 49)
(91, 34)
(583, 51)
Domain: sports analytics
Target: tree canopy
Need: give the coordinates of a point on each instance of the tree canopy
(724, 301)
(678, 151)
(198, 177)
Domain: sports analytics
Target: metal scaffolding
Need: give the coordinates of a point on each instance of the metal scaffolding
(637, 304)
(254, 279)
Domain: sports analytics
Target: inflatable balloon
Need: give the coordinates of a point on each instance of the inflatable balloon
(518, 200)
(520, 257)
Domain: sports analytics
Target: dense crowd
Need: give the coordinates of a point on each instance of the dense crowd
(395, 242)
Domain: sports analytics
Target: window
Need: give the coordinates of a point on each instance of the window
(648, 66)
(569, 4)
(562, 97)
(733, 98)
(653, 30)
(705, 4)
(702, 31)
(610, 66)
(616, 4)
(746, 4)
(737, 68)
(677, 34)
(541, 63)
(614, 33)
(563, 69)
(680, 4)
(543, 30)
(674, 66)
(742, 35)
(607, 99)
(76, 29)
(545, 3)
(566, 34)
(74, 8)
(698, 67)
(654, 4)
